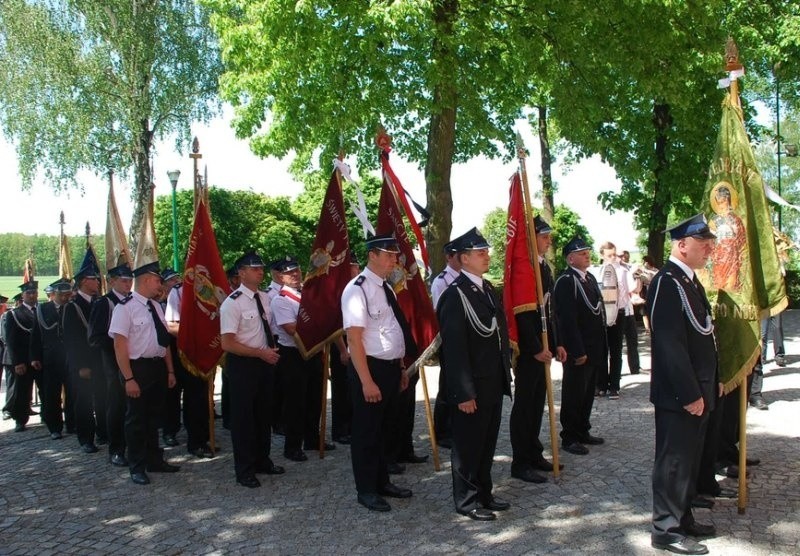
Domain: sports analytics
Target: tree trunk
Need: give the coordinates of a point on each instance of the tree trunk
(548, 208)
(662, 120)
(441, 135)
(143, 178)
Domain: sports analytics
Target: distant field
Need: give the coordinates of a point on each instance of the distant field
(9, 285)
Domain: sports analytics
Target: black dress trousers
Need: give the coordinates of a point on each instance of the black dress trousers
(142, 414)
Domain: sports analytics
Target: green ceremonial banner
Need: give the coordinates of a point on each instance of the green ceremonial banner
(742, 279)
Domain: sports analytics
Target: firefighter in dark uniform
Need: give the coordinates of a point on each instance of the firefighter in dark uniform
(476, 358)
(251, 358)
(683, 385)
(19, 325)
(530, 388)
(120, 281)
(141, 347)
(578, 307)
(85, 369)
(47, 346)
(8, 368)
(377, 334)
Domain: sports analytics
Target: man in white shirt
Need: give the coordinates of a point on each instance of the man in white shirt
(613, 274)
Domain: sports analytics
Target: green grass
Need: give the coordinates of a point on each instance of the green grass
(9, 285)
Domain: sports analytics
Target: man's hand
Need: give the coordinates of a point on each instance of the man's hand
(543, 356)
(372, 394)
(85, 373)
(721, 390)
(403, 380)
(132, 388)
(269, 355)
(36, 365)
(561, 354)
(344, 357)
(696, 407)
(468, 407)
(20, 369)
(581, 360)
(171, 380)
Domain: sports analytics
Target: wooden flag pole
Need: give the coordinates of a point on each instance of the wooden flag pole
(211, 436)
(533, 252)
(732, 64)
(429, 419)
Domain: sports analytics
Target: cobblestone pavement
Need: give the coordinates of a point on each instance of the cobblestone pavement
(57, 500)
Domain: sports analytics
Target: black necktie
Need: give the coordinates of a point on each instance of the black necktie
(487, 294)
(161, 331)
(261, 313)
(411, 345)
(547, 277)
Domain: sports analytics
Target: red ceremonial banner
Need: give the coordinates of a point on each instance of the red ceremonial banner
(320, 317)
(519, 291)
(205, 287)
(406, 279)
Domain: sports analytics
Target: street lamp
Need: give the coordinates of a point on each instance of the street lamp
(173, 176)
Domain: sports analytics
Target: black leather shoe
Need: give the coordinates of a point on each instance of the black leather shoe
(56, 435)
(202, 452)
(412, 458)
(89, 448)
(328, 446)
(374, 502)
(752, 461)
(700, 530)
(732, 471)
(480, 514)
(684, 546)
(163, 467)
(140, 478)
(544, 465)
(270, 469)
(497, 505)
(758, 403)
(394, 491)
(576, 448)
(20, 427)
(6, 415)
(444, 443)
(726, 493)
(396, 468)
(702, 502)
(249, 482)
(780, 360)
(118, 460)
(170, 440)
(344, 439)
(101, 440)
(528, 475)
(296, 455)
(592, 440)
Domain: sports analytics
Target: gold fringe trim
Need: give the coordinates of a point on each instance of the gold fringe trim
(195, 370)
(779, 308)
(743, 372)
(526, 307)
(514, 353)
(309, 353)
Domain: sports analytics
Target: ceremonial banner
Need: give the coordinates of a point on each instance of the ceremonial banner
(519, 291)
(205, 287)
(319, 319)
(406, 279)
(400, 195)
(28, 271)
(64, 259)
(743, 279)
(117, 251)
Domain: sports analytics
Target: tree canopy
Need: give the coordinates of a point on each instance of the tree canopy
(90, 85)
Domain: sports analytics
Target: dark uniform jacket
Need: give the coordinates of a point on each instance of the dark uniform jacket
(99, 321)
(19, 325)
(4, 356)
(684, 359)
(529, 323)
(76, 335)
(581, 330)
(47, 344)
(476, 367)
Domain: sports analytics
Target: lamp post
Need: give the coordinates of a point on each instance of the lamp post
(173, 176)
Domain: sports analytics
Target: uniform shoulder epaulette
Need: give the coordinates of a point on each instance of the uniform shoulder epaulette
(178, 286)
(235, 294)
(442, 274)
(125, 299)
(360, 280)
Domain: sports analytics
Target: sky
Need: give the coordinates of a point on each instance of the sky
(478, 186)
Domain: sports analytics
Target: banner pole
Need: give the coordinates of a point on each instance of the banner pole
(533, 252)
(323, 417)
(742, 498)
(212, 442)
(429, 418)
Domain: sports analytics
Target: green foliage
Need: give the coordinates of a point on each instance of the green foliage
(494, 230)
(90, 85)
(567, 225)
(44, 249)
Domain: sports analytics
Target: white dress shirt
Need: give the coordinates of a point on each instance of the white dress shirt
(238, 315)
(134, 320)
